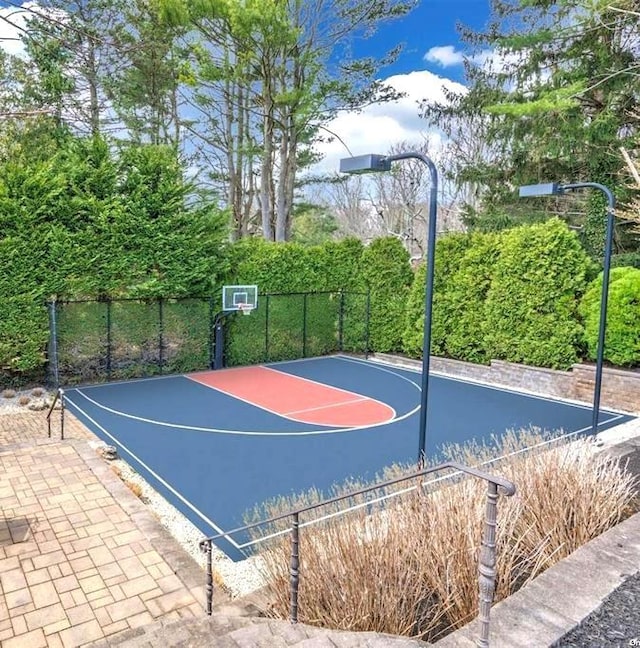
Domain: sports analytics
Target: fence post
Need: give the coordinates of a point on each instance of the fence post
(266, 330)
(109, 339)
(160, 334)
(304, 325)
(294, 572)
(53, 343)
(341, 322)
(212, 317)
(367, 319)
(487, 564)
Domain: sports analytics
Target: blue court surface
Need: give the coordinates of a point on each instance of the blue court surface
(214, 455)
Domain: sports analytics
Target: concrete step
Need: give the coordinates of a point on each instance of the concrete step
(247, 632)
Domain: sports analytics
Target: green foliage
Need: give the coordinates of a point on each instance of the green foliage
(510, 296)
(531, 307)
(88, 223)
(387, 273)
(466, 297)
(449, 251)
(294, 268)
(312, 225)
(557, 104)
(622, 335)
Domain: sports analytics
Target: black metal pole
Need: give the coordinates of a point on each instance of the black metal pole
(266, 329)
(108, 339)
(53, 344)
(341, 322)
(304, 326)
(428, 308)
(160, 335)
(604, 295)
(212, 341)
(367, 320)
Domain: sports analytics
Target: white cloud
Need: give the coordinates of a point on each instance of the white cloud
(448, 56)
(12, 21)
(444, 55)
(377, 127)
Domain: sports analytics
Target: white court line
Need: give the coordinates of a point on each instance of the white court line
(480, 383)
(195, 428)
(321, 407)
(168, 486)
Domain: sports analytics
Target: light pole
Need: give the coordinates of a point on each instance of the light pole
(377, 163)
(555, 189)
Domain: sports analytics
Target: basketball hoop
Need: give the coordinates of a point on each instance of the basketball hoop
(245, 309)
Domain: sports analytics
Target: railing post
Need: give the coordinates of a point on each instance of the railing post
(209, 549)
(294, 579)
(487, 564)
(61, 415)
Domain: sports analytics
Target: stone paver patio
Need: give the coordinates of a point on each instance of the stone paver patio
(80, 557)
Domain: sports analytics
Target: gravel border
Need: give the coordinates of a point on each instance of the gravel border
(39, 401)
(238, 578)
(613, 624)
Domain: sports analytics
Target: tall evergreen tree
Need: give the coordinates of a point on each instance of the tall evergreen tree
(554, 100)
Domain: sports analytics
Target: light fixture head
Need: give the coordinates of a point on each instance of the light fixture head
(370, 163)
(546, 189)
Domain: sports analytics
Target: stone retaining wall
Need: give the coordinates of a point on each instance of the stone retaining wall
(620, 389)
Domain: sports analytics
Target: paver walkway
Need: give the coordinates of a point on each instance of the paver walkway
(83, 562)
(80, 557)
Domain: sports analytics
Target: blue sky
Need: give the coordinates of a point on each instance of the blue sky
(432, 59)
(431, 24)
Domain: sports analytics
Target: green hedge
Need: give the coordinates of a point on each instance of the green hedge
(531, 309)
(466, 298)
(622, 338)
(510, 296)
(387, 273)
(449, 252)
(90, 222)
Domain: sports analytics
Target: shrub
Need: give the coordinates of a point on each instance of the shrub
(387, 273)
(449, 252)
(622, 336)
(412, 568)
(466, 297)
(531, 308)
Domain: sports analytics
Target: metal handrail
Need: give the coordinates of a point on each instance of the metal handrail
(487, 561)
(58, 397)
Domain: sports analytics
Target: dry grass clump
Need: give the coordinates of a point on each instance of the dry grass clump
(411, 568)
(8, 393)
(136, 489)
(24, 400)
(37, 392)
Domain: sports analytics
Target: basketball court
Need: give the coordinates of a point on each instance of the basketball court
(218, 443)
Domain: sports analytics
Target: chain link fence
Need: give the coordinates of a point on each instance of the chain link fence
(104, 340)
